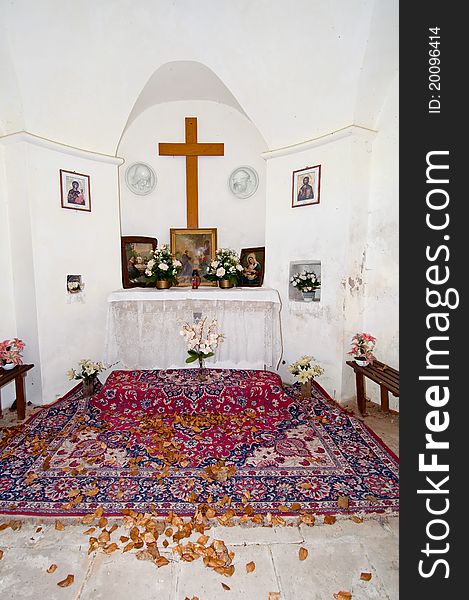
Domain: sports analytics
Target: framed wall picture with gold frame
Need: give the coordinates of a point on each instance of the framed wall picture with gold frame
(195, 248)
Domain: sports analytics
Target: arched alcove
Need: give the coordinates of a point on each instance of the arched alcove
(177, 90)
(182, 80)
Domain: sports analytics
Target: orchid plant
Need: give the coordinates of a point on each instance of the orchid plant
(199, 345)
(362, 346)
(162, 266)
(10, 351)
(225, 266)
(305, 369)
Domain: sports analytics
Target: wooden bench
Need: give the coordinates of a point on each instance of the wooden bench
(18, 374)
(384, 375)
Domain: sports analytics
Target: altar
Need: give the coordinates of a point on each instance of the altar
(143, 326)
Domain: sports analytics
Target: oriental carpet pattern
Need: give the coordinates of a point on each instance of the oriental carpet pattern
(147, 441)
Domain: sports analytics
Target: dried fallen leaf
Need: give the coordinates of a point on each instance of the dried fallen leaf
(88, 519)
(67, 581)
(89, 531)
(274, 596)
(202, 539)
(329, 519)
(365, 576)
(356, 519)
(161, 561)
(342, 502)
(59, 526)
(343, 596)
(250, 566)
(225, 587)
(1, 554)
(52, 568)
(303, 554)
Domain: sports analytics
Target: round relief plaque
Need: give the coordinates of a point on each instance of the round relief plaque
(140, 178)
(243, 182)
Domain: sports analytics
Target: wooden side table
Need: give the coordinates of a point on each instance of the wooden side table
(18, 374)
(384, 375)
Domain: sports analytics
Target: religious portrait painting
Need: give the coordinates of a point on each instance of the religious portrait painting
(75, 190)
(253, 260)
(306, 186)
(195, 248)
(136, 251)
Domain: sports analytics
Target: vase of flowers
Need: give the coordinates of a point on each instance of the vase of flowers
(225, 269)
(10, 353)
(363, 345)
(201, 346)
(307, 282)
(87, 371)
(305, 370)
(162, 268)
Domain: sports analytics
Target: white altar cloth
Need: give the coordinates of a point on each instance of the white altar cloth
(143, 326)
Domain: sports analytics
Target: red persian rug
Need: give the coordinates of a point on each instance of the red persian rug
(168, 441)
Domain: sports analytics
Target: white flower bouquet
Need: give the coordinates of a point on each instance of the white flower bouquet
(305, 369)
(200, 346)
(162, 266)
(225, 266)
(307, 281)
(87, 370)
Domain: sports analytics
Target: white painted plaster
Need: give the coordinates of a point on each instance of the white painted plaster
(293, 67)
(48, 242)
(334, 232)
(381, 311)
(240, 222)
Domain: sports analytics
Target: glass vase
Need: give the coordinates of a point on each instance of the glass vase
(201, 373)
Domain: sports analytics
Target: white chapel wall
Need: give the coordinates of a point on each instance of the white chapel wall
(333, 232)
(381, 310)
(240, 222)
(49, 242)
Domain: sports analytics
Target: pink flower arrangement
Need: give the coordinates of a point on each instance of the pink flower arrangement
(362, 346)
(10, 351)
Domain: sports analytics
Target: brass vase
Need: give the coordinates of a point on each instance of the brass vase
(163, 284)
(225, 283)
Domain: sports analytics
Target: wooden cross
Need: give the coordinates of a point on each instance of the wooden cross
(191, 149)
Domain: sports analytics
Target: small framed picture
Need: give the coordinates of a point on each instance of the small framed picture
(136, 251)
(75, 190)
(306, 186)
(195, 248)
(253, 260)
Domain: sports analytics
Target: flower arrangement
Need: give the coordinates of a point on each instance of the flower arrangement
(87, 370)
(198, 346)
(307, 281)
(362, 347)
(305, 369)
(225, 266)
(10, 351)
(162, 266)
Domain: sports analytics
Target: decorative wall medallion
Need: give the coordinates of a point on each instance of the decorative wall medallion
(243, 182)
(140, 178)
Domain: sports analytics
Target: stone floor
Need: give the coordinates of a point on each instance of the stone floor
(337, 555)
